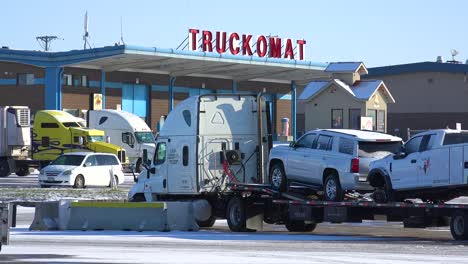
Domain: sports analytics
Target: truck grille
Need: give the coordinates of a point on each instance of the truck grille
(23, 117)
(52, 173)
(121, 155)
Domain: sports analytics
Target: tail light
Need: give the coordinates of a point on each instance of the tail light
(355, 165)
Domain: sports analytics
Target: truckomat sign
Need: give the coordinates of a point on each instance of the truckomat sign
(245, 44)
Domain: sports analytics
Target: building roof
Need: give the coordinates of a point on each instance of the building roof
(427, 66)
(362, 90)
(175, 63)
(342, 67)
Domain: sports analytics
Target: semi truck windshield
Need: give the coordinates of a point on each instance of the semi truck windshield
(144, 137)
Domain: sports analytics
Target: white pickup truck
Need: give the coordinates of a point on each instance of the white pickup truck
(432, 165)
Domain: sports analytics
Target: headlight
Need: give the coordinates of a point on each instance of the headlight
(67, 172)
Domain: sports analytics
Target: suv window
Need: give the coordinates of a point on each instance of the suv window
(160, 154)
(376, 149)
(324, 142)
(346, 146)
(413, 145)
(305, 142)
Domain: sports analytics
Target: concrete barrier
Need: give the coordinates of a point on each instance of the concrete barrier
(155, 216)
(46, 216)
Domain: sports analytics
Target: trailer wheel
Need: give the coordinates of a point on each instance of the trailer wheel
(4, 168)
(299, 226)
(278, 177)
(23, 171)
(207, 223)
(235, 215)
(332, 188)
(459, 225)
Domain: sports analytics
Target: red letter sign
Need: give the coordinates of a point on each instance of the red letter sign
(246, 45)
(220, 42)
(193, 38)
(301, 43)
(288, 52)
(206, 44)
(233, 40)
(261, 46)
(275, 47)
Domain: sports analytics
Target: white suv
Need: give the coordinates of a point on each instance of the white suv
(81, 169)
(332, 160)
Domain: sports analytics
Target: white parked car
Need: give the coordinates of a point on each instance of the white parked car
(432, 165)
(334, 161)
(81, 169)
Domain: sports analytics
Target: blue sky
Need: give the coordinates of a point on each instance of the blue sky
(375, 32)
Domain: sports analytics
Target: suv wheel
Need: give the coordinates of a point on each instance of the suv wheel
(278, 177)
(332, 188)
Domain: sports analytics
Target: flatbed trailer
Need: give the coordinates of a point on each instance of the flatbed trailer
(300, 213)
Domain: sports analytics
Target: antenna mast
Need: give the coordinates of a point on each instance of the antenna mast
(45, 41)
(121, 31)
(86, 34)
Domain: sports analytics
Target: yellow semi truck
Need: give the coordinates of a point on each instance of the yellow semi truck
(57, 132)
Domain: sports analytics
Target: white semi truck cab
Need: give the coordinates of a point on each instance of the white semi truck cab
(15, 140)
(207, 142)
(432, 165)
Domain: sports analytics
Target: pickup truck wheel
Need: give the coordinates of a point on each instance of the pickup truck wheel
(4, 168)
(235, 215)
(459, 225)
(79, 182)
(23, 171)
(332, 188)
(299, 226)
(278, 177)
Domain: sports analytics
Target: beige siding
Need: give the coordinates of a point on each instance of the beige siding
(377, 102)
(318, 110)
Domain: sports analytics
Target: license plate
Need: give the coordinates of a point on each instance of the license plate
(50, 178)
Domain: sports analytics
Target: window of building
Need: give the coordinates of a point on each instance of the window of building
(25, 79)
(355, 118)
(84, 81)
(76, 80)
(337, 118)
(372, 113)
(381, 120)
(67, 79)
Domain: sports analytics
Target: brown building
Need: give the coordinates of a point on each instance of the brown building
(428, 95)
(145, 81)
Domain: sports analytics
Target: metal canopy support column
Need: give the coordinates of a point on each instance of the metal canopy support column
(53, 88)
(274, 114)
(234, 86)
(103, 88)
(293, 109)
(171, 92)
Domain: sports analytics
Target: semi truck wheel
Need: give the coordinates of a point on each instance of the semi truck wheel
(459, 225)
(235, 215)
(24, 171)
(4, 168)
(207, 223)
(299, 226)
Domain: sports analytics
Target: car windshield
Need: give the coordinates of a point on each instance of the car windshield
(71, 124)
(95, 138)
(144, 137)
(73, 160)
(378, 149)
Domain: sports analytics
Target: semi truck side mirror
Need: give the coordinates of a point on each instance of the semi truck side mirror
(81, 140)
(108, 139)
(292, 144)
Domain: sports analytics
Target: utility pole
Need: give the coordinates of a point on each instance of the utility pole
(45, 41)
